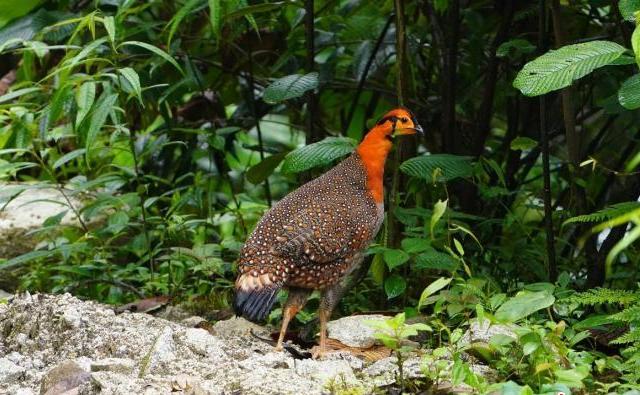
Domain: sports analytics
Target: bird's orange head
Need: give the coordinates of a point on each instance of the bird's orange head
(375, 146)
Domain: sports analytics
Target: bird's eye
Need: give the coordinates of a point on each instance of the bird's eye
(404, 120)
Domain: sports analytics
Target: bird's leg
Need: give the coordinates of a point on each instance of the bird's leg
(328, 301)
(295, 302)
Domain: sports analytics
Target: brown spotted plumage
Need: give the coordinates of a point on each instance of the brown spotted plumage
(314, 237)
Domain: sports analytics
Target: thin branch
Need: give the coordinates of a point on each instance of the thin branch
(365, 73)
(544, 142)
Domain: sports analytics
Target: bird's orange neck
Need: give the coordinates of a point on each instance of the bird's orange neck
(373, 151)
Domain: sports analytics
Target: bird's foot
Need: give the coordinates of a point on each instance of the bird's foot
(278, 347)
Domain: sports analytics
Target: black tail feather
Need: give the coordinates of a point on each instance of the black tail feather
(255, 304)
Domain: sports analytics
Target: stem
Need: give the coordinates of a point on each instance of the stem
(393, 225)
(365, 73)
(313, 132)
(548, 220)
(254, 113)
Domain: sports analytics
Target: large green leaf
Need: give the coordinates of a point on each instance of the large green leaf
(103, 107)
(11, 9)
(317, 154)
(628, 8)
(629, 93)
(524, 304)
(261, 171)
(290, 87)
(27, 27)
(438, 167)
(557, 69)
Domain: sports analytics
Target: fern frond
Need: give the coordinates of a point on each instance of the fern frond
(605, 295)
(632, 336)
(629, 314)
(606, 213)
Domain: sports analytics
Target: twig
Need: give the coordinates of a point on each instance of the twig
(365, 73)
(544, 142)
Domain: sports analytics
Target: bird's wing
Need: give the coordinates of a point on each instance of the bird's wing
(324, 233)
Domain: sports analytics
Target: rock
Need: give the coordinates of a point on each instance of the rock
(238, 326)
(326, 371)
(160, 352)
(138, 353)
(9, 371)
(354, 331)
(32, 205)
(24, 391)
(193, 321)
(5, 295)
(201, 341)
(484, 333)
(117, 365)
(63, 378)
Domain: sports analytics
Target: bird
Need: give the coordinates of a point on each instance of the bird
(315, 237)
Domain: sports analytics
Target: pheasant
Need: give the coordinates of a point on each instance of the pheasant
(315, 236)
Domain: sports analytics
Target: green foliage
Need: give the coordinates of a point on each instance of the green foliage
(317, 154)
(605, 214)
(629, 93)
(557, 69)
(438, 167)
(290, 87)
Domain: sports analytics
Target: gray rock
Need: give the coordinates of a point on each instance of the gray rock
(32, 205)
(24, 391)
(202, 342)
(193, 321)
(64, 377)
(9, 371)
(138, 353)
(117, 365)
(484, 333)
(238, 326)
(354, 331)
(162, 351)
(326, 371)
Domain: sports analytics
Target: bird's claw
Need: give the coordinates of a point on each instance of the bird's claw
(318, 352)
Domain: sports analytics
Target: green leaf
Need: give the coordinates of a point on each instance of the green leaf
(628, 8)
(68, 157)
(434, 287)
(110, 26)
(261, 171)
(17, 93)
(438, 167)
(439, 209)
(133, 79)
(185, 10)
(516, 47)
(415, 245)
(257, 8)
(215, 16)
(14, 9)
(524, 304)
(378, 269)
(25, 258)
(523, 143)
(394, 258)
(99, 117)
(557, 69)
(156, 51)
(290, 87)
(394, 286)
(629, 93)
(85, 97)
(605, 214)
(436, 260)
(317, 154)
